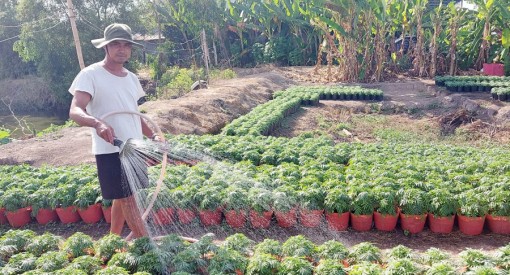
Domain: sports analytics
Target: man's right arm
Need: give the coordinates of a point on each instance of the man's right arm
(78, 113)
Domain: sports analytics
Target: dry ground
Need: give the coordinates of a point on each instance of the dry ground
(414, 104)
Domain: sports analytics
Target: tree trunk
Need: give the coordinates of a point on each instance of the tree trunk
(453, 46)
(434, 46)
(483, 55)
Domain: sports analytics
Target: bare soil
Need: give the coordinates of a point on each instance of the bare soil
(409, 100)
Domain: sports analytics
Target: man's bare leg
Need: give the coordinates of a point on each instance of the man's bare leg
(133, 217)
(118, 219)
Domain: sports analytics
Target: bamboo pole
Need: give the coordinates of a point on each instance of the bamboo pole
(72, 19)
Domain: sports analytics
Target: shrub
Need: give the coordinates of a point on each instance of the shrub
(109, 245)
(78, 244)
(51, 261)
(44, 243)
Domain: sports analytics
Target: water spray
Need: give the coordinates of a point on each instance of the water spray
(122, 146)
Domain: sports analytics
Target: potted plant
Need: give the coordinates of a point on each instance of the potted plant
(363, 204)
(472, 211)
(43, 206)
(15, 201)
(413, 206)
(442, 209)
(88, 200)
(337, 205)
(498, 217)
(235, 206)
(311, 202)
(65, 195)
(285, 206)
(209, 204)
(386, 210)
(163, 208)
(260, 203)
(184, 203)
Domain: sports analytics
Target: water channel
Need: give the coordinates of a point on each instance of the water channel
(28, 124)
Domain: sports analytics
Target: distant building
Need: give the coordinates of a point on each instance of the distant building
(150, 44)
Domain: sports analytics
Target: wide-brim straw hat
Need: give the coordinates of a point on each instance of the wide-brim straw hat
(115, 32)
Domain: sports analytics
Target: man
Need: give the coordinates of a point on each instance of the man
(98, 90)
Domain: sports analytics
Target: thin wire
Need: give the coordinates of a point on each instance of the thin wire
(1, 41)
(26, 23)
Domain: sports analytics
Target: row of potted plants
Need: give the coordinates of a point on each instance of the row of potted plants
(441, 80)
(266, 117)
(29, 253)
(502, 94)
(463, 171)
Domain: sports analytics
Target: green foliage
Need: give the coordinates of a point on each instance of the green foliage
(152, 262)
(86, 263)
(442, 203)
(365, 252)
(44, 243)
(363, 203)
(19, 263)
(337, 201)
(177, 81)
(88, 195)
(222, 74)
(126, 260)
(299, 246)
(330, 266)
(14, 241)
(109, 245)
(434, 255)
(401, 266)
(474, 257)
(112, 270)
(332, 249)
(269, 246)
(365, 268)
(14, 199)
(78, 244)
(227, 261)
(413, 201)
(240, 243)
(400, 252)
(295, 265)
(262, 264)
(51, 261)
(441, 268)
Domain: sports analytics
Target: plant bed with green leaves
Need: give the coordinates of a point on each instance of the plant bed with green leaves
(26, 252)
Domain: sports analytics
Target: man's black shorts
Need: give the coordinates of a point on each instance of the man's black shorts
(112, 177)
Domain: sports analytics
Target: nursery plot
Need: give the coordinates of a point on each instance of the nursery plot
(415, 103)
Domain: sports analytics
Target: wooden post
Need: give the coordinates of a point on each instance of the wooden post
(205, 51)
(72, 18)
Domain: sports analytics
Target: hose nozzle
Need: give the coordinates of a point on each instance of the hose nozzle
(119, 143)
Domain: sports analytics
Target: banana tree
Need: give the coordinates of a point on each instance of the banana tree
(436, 19)
(491, 16)
(418, 11)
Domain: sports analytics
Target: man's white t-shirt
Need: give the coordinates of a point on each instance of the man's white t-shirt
(111, 93)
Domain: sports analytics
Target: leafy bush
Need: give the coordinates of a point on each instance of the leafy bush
(86, 263)
(44, 243)
(299, 246)
(109, 245)
(52, 260)
(78, 244)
